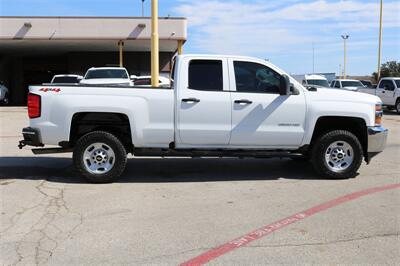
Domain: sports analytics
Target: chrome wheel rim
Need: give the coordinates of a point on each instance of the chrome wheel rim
(98, 158)
(339, 156)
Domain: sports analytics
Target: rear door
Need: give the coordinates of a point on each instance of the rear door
(261, 117)
(203, 103)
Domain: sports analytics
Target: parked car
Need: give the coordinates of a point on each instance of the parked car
(316, 81)
(346, 84)
(3, 94)
(66, 78)
(146, 81)
(217, 106)
(107, 76)
(368, 84)
(388, 90)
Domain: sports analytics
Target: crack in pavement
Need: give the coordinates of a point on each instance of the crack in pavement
(51, 221)
(326, 242)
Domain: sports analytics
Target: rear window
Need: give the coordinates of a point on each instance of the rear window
(65, 80)
(106, 74)
(205, 75)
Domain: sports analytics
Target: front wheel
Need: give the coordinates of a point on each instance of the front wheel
(398, 106)
(99, 157)
(337, 154)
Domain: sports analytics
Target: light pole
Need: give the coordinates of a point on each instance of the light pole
(154, 44)
(313, 59)
(143, 8)
(344, 37)
(380, 43)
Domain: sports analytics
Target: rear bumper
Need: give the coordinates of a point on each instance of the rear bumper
(31, 138)
(377, 138)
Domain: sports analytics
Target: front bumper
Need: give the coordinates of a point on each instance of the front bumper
(31, 138)
(377, 138)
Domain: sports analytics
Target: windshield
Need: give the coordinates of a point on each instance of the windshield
(65, 80)
(318, 82)
(106, 74)
(351, 84)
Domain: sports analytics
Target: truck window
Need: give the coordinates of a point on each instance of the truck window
(337, 84)
(255, 78)
(388, 84)
(205, 75)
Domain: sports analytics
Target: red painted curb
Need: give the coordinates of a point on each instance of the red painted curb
(267, 229)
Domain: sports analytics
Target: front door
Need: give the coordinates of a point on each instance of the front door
(386, 91)
(261, 117)
(203, 104)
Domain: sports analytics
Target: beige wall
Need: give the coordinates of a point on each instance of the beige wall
(103, 28)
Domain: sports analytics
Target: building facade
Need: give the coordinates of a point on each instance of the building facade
(33, 49)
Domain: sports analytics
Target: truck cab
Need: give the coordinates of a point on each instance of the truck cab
(388, 90)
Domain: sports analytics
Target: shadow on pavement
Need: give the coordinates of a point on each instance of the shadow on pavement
(157, 170)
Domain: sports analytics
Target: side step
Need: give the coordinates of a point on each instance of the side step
(51, 150)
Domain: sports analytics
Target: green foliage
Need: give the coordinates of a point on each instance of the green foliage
(388, 69)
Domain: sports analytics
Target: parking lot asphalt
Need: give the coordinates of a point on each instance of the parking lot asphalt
(170, 211)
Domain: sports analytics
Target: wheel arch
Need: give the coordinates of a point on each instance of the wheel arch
(355, 125)
(115, 123)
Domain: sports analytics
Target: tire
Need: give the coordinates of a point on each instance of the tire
(99, 157)
(337, 154)
(397, 107)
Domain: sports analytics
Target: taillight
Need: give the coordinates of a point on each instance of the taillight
(378, 114)
(33, 105)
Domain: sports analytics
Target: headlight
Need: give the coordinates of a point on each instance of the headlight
(378, 114)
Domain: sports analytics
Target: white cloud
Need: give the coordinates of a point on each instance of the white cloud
(265, 27)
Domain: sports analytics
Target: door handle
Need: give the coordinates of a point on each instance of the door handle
(190, 100)
(243, 101)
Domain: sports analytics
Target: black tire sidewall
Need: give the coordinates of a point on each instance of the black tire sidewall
(116, 146)
(318, 155)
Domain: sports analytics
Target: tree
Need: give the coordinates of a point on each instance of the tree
(388, 69)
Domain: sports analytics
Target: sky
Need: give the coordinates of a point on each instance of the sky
(286, 32)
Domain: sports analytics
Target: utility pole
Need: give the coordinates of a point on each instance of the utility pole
(344, 37)
(143, 8)
(154, 44)
(313, 59)
(380, 43)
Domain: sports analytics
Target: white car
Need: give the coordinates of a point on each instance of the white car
(347, 84)
(218, 106)
(388, 90)
(146, 81)
(66, 78)
(316, 81)
(107, 76)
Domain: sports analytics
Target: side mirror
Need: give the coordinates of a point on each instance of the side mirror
(284, 88)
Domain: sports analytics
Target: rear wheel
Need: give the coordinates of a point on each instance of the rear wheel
(337, 154)
(99, 157)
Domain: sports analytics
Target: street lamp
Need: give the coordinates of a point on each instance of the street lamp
(380, 43)
(143, 8)
(344, 37)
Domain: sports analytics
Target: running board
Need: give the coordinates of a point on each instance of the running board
(51, 150)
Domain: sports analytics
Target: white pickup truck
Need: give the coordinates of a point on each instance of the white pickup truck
(216, 106)
(388, 90)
